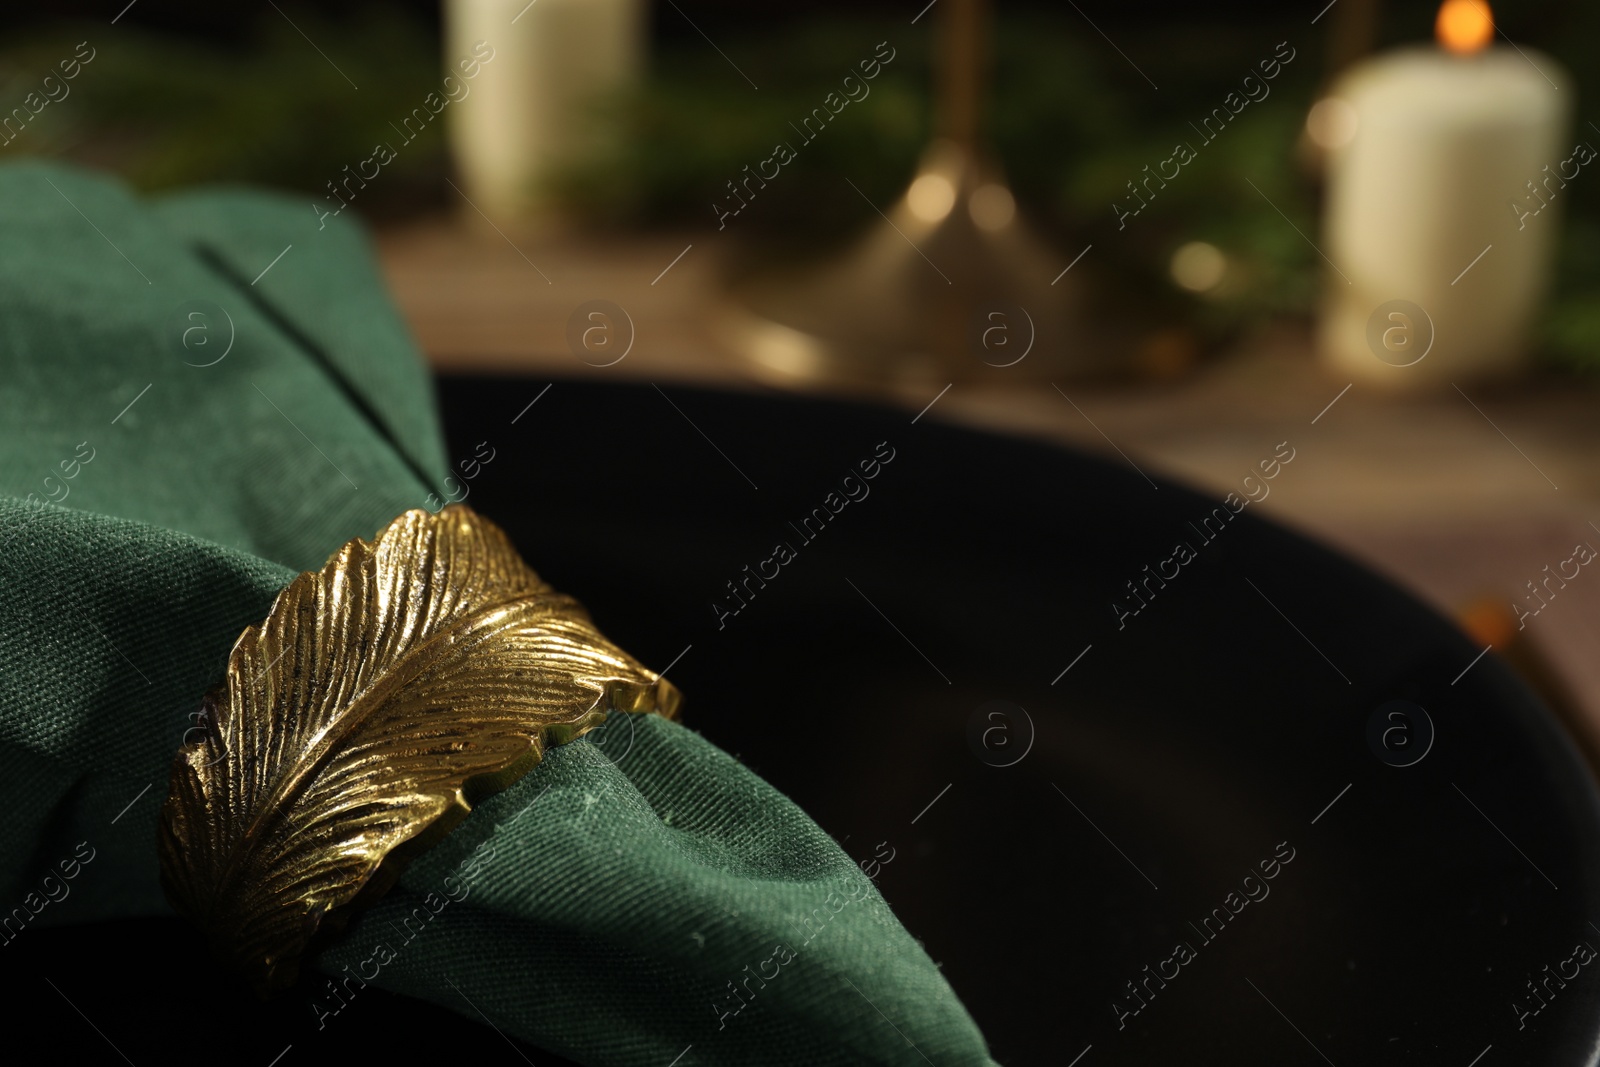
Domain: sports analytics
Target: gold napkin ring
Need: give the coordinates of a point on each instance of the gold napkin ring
(381, 698)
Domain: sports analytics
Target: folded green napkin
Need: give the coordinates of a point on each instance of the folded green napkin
(204, 394)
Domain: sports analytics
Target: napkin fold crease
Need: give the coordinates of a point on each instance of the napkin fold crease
(640, 898)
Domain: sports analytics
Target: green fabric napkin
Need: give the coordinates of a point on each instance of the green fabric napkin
(164, 471)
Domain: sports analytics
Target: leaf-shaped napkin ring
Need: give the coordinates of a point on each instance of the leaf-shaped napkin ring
(381, 698)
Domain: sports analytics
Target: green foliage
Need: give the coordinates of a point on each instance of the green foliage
(1071, 117)
(1071, 121)
(168, 111)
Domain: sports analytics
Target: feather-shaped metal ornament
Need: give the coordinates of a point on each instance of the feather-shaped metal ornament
(382, 696)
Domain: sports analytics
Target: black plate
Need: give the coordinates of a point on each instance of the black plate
(1072, 793)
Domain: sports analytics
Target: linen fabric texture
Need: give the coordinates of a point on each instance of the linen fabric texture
(612, 906)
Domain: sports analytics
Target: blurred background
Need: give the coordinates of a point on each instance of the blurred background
(597, 191)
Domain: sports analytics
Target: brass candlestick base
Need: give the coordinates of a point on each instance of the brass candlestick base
(950, 286)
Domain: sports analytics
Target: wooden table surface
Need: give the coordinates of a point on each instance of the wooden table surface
(1451, 497)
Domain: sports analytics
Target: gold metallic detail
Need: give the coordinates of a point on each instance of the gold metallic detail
(380, 699)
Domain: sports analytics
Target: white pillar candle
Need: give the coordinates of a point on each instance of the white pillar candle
(1422, 206)
(533, 109)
